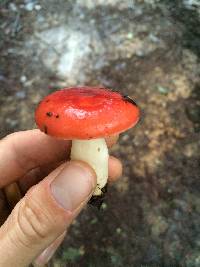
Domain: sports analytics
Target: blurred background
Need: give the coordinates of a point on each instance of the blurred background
(149, 49)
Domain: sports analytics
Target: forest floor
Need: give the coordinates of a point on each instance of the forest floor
(149, 50)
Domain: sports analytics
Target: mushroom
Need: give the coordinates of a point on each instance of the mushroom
(86, 115)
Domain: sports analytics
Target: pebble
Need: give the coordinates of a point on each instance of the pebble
(104, 206)
(13, 7)
(29, 6)
(125, 137)
(20, 95)
(162, 90)
(38, 7)
(191, 4)
(140, 53)
(154, 38)
(23, 79)
(11, 123)
(130, 35)
(2, 78)
(118, 230)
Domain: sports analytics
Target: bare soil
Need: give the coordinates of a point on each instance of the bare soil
(149, 50)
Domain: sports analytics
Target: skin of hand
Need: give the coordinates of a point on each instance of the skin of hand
(55, 191)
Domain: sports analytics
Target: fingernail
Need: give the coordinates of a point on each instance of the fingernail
(73, 185)
(47, 254)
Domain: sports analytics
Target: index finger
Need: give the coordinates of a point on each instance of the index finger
(23, 151)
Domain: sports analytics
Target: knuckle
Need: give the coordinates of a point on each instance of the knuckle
(34, 223)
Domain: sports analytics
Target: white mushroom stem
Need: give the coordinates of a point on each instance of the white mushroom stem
(95, 153)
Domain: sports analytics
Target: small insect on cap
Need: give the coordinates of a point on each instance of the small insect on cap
(86, 113)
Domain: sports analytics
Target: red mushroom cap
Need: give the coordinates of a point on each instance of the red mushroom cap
(86, 113)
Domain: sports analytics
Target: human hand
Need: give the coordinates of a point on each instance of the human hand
(55, 193)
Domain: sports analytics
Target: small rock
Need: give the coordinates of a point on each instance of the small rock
(118, 230)
(20, 95)
(23, 79)
(104, 206)
(2, 77)
(13, 7)
(191, 4)
(11, 123)
(140, 53)
(38, 7)
(29, 7)
(130, 35)
(125, 137)
(162, 90)
(154, 38)
(7, 30)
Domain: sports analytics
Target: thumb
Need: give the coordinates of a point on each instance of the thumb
(44, 213)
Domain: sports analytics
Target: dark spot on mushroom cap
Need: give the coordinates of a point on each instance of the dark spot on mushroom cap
(45, 129)
(125, 97)
(57, 116)
(130, 100)
(47, 100)
(115, 91)
(49, 114)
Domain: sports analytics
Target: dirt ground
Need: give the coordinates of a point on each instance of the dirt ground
(149, 49)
